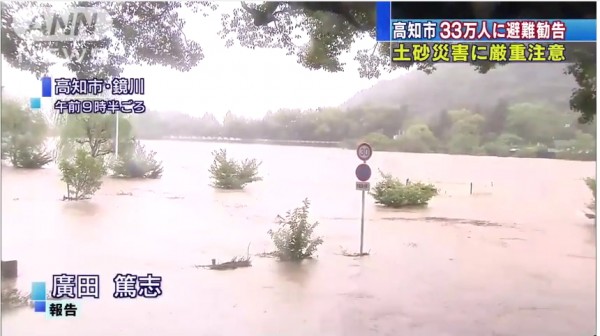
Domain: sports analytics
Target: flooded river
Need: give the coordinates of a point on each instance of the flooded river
(515, 258)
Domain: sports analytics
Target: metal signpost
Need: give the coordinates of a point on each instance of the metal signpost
(363, 174)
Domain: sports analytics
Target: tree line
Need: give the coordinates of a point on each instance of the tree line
(140, 35)
(523, 129)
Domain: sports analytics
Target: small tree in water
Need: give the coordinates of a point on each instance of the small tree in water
(393, 193)
(591, 183)
(94, 132)
(82, 174)
(294, 236)
(137, 162)
(227, 173)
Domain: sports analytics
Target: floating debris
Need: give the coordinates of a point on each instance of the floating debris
(272, 254)
(345, 253)
(174, 197)
(236, 262)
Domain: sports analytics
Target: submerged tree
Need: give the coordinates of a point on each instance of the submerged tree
(96, 133)
(24, 133)
(82, 174)
(591, 183)
(137, 162)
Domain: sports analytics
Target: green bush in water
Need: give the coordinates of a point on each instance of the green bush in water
(82, 174)
(293, 237)
(393, 193)
(137, 162)
(227, 173)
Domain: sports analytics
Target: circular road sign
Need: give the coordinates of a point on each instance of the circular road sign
(364, 151)
(363, 172)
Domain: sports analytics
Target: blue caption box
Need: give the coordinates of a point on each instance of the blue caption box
(38, 291)
(39, 306)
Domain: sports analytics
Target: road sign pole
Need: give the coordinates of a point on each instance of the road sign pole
(363, 174)
(362, 222)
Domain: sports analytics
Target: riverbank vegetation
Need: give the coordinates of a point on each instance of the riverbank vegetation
(501, 113)
(228, 173)
(24, 133)
(519, 130)
(393, 193)
(294, 237)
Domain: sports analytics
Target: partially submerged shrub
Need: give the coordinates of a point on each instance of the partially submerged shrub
(293, 238)
(137, 163)
(24, 132)
(82, 174)
(227, 173)
(591, 183)
(12, 298)
(29, 157)
(393, 193)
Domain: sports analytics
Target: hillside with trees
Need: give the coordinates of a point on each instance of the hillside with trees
(518, 110)
(454, 86)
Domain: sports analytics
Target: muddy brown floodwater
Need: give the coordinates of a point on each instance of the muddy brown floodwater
(516, 258)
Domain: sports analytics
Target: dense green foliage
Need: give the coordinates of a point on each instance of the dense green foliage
(83, 175)
(152, 33)
(393, 193)
(23, 136)
(293, 237)
(227, 173)
(137, 162)
(142, 33)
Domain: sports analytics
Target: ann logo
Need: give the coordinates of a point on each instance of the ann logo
(68, 24)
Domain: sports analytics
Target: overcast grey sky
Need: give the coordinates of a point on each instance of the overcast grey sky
(265, 80)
